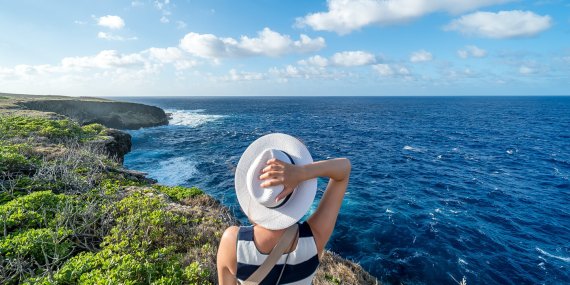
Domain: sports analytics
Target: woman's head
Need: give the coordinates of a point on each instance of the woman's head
(259, 203)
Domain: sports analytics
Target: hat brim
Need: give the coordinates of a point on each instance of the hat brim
(301, 199)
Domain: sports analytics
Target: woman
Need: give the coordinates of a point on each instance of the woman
(275, 186)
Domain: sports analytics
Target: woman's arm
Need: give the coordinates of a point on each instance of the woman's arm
(322, 222)
(227, 259)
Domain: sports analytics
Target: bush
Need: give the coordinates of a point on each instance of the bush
(22, 126)
(40, 245)
(31, 211)
(13, 160)
(92, 129)
(178, 193)
(140, 249)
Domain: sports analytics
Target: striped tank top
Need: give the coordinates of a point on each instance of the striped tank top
(301, 264)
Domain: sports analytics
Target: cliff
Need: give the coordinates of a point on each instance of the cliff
(88, 110)
(72, 214)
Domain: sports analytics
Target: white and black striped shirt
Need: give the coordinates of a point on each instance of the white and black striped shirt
(301, 264)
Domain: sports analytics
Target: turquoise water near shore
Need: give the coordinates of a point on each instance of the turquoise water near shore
(441, 188)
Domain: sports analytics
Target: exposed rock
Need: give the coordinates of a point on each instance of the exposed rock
(112, 114)
(119, 145)
(133, 175)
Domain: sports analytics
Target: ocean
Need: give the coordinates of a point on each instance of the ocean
(441, 187)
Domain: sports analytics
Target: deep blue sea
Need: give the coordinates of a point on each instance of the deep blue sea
(441, 188)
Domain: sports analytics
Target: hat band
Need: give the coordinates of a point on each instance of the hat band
(288, 196)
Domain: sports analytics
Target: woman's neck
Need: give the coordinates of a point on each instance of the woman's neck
(266, 239)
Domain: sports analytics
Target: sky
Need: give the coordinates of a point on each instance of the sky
(285, 48)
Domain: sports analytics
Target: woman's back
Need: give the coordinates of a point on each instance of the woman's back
(301, 263)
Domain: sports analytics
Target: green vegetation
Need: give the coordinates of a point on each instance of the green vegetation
(22, 126)
(68, 215)
(178, 193)
(15, 158)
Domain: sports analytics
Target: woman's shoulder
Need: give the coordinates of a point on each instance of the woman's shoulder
(230, 236)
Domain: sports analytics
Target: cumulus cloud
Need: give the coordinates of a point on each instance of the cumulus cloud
(471, 51)
(111, 22)
(345, 59)
(306, 72)
(345, 16)
(500, 25)
(267, 42)
(316, 60)
(104, 60)
(387, 70)
(112, 37)
(352, 58)
(421, 56)
(164, 7)
(235, 75)
(171, 55)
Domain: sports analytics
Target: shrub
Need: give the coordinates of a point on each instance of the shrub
(140, 249)
(41, 245)
(31, 211)
(92, 129)
(13, 160)
(178, 193)
(23, 126)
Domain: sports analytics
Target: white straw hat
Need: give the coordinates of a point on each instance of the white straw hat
(258, 203)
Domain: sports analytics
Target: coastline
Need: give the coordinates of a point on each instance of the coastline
(189, 203)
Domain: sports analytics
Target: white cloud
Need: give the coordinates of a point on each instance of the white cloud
(108, 64)
(421, 56)
(352, 58)
(306, 72)
(500, 25)
(345, 16)
(112, 37)
(386, 70)
(171, 55)
(104, 60)
(471, 51)
(316, 60)
(163, 7)
(267, 42)
(235, 75)
(345, 59)
(111, 22)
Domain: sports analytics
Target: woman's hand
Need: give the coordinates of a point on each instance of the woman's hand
(278, 172)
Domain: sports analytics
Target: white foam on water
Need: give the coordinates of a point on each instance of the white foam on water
(411, 148)
(192, 118)
(565, 259)
(175, 171)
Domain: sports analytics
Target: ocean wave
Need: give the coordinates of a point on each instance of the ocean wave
(565, 259)
(411, 148)
(175, 171)
(192, 118)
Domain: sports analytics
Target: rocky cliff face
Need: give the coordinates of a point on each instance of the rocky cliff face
(116, 143)
(113, 114)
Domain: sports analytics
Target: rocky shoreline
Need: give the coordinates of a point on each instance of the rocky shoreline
(188, 203)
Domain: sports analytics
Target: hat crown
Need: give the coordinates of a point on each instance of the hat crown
(265, 195)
